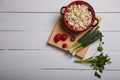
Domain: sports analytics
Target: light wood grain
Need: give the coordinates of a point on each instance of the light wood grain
(47, 21)
(33, 65)
(54, 6)
(25, 26)
(37, 74)
(38, 40)
(61, 28)
(13, 60)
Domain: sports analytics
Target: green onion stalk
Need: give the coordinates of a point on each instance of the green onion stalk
(91, 36)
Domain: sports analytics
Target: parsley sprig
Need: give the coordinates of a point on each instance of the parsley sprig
(97, 62)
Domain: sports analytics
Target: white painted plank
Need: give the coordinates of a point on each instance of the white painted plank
(37, 74)
(46, 22)
(38, 40)
(29, 66)
(25, 30)
(54, 6)
(30, 21)
(45, 59)
(24, 39)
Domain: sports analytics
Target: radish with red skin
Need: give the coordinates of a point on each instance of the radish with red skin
(63, 37)
(64, 45)
(57, 37)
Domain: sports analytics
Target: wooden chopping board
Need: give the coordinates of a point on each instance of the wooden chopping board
(62, 28)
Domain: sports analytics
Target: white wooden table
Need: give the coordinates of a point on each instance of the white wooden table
(25, 26)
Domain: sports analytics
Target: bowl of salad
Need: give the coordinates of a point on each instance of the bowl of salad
(78, 16)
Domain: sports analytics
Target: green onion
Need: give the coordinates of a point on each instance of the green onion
(97, 62)
(89, 37)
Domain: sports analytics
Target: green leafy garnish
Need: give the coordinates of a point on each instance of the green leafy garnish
(100, 49)
(97, 62)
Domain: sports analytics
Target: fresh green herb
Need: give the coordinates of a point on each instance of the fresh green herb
(91, 36)
(100, 49)
(97, 62)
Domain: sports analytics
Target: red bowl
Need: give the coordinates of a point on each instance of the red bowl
(80, 3)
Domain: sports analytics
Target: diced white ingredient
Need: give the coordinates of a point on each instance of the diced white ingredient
(79, 16)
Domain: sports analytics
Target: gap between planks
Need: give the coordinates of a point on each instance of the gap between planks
(76, 69)
(44, 49)
(44, 30)
(43, 12)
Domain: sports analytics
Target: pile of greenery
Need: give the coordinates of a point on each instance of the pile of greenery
(97, 61)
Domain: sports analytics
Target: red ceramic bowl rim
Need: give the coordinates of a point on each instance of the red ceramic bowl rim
(82, 3)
